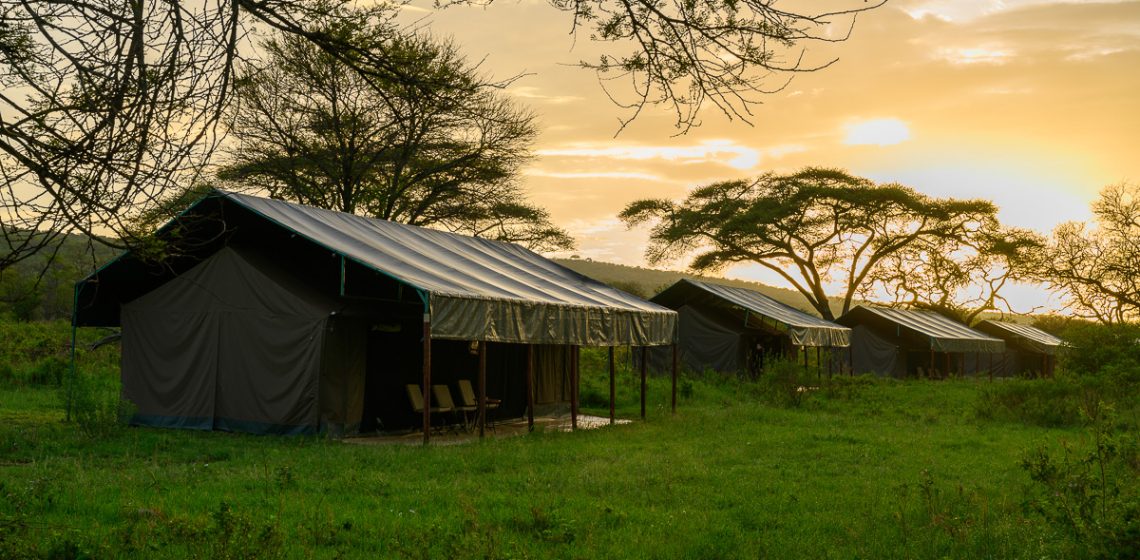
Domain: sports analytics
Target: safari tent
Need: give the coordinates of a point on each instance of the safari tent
(901, 343)
(737, 330)
(273, 317)
(1029, 351)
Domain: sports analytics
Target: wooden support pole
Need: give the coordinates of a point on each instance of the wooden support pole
(830, 360)
(482, 387)
(644, 369)
(573, 387)
(675, 365)
(851, 360)
(991, 366)
(530, 387)
(946, 374)
(818, 370)
(613, 418)
(427, 378)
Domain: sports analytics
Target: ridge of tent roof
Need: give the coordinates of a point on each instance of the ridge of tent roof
(804, 329)
(462, 266)
(945, 333)
(1034, 337)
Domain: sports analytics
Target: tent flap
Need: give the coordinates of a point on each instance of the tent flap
(535, 323)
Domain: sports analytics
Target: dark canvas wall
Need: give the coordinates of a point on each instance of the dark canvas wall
(225, 346)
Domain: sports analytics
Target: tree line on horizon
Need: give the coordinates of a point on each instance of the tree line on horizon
(342, 108)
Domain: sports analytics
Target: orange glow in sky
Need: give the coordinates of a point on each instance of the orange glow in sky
(1032, 104)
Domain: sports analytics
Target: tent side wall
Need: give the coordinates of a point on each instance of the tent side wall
(169, 367)
(871, 353)
(224, 346)
(705, 343)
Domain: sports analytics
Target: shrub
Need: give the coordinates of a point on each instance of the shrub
(1091, 496)
(96, 405)
(784, 383)
(1110, 352)
(1048, 403)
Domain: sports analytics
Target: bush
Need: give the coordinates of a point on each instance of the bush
(784, 383)
(1048, 403)
(1091, 496)
(96, 405)
(1110, 352)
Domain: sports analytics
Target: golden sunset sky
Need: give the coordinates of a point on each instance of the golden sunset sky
(1033, 104)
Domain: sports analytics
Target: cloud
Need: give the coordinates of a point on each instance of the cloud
(532, 93)
(964, 11)
(536, 172)
(974, 55)
(878, 132)
(725, 152)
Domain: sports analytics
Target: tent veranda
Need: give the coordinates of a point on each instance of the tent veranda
(903, 342)
(731, 329)
(1029, 350)
(306, 312)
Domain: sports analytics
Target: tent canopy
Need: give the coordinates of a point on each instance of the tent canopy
(925, 328)
(802, 328)
(473, 289)
(1030, 338)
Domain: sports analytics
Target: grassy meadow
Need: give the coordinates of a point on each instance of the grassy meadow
(857, 468)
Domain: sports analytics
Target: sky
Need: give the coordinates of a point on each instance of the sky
(1033, 104)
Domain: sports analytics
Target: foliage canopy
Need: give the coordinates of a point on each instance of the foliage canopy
(1097, 265)
(812, 227)
(445, 153)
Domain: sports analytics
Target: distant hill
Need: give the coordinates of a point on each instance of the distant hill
(646, 282)
(43, 285)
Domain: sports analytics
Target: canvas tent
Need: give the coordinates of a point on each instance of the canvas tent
(275, 317)
(737, 330)
(900, 342)
(1029, 350)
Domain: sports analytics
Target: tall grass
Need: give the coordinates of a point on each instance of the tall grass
(850, 468)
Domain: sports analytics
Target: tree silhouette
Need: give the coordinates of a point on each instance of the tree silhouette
(812, 227)
(1097, 265)
(444, 152)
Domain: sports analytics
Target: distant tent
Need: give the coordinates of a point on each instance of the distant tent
(925, 343)
(277, 317)
(1029, 351)
(737, 330)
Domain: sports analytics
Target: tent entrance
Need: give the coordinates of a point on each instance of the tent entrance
(395, 359)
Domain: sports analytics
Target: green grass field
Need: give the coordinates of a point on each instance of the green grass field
(857, 470)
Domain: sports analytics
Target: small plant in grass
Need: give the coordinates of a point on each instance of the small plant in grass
(96, 405)
(783, 383)
(1093, 495)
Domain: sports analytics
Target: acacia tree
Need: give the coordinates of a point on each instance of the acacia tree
(960, 277)
(444, 155)
(813, 227)
(1097, 265)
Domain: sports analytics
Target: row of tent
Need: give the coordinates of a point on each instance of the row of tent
(272, 317)
(736, 330)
